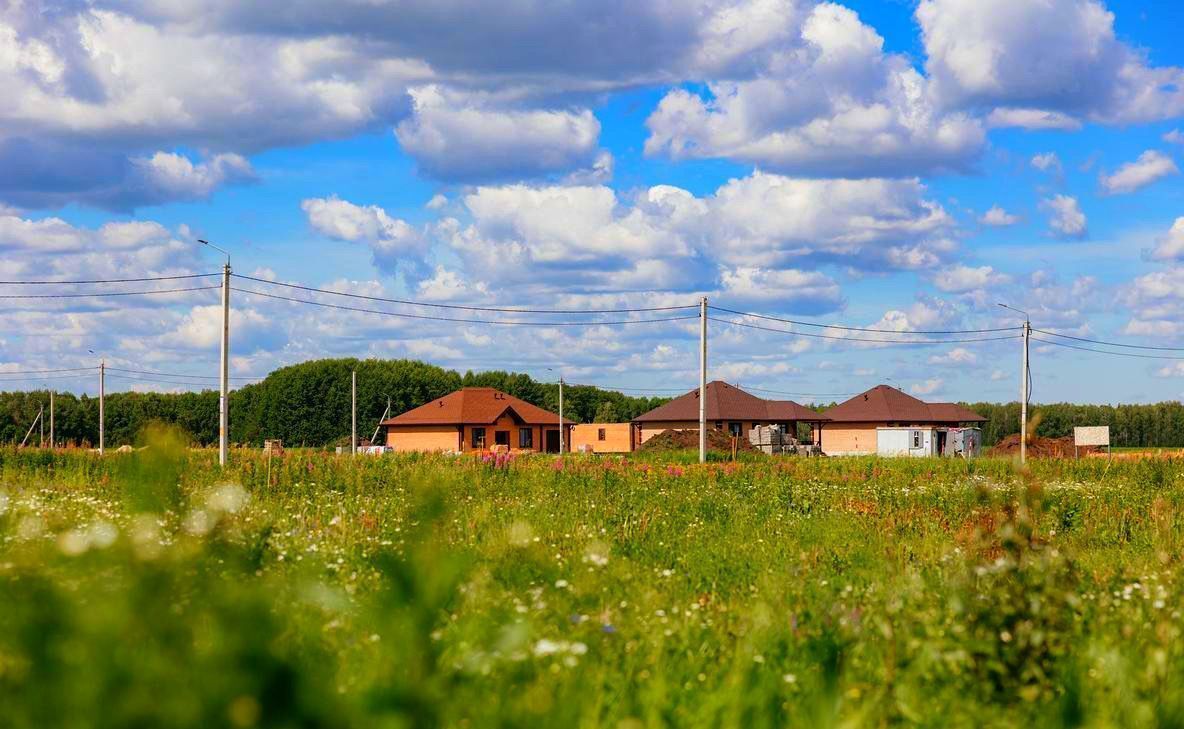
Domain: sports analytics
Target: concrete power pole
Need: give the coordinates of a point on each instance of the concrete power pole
(703, 380)
(353, 411)
(1024, 395)
(224, 371)
(102, 397)
(52, 442)
(561, 415)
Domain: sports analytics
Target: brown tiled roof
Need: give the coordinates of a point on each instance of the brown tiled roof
(474, 406)
(884, 404)
(725, 402)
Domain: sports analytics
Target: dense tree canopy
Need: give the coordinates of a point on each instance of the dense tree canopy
(309, 404)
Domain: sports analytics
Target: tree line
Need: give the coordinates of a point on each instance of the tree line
(308, 404)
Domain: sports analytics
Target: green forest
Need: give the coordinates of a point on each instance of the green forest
(309, 405)
(304, 405)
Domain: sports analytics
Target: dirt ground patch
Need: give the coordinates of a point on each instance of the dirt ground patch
(1039, 447)
(681, 440)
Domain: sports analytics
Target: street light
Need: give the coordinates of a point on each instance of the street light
(560, 408)
(1025, 378)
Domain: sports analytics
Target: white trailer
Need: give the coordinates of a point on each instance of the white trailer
(916, 442)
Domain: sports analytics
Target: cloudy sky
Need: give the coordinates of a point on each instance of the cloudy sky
(897, 165)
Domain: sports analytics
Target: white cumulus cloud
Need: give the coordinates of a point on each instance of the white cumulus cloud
(1066, 219)
(1132, 176)
(997, 217)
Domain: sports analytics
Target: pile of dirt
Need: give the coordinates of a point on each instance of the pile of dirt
(681, 440)
(1039, 447)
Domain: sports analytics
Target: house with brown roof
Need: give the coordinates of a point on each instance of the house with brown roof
(728, 408)
(477, 419)
(856, 426)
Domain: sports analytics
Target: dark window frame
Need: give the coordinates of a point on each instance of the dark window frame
(478, 438)
(601, 434)
(499, 435)
(526, 437)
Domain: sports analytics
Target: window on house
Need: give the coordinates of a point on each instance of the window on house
(526, 437)
(502, 437)
(478, 437)
(916, 439)
(735, 428)
(600, 434)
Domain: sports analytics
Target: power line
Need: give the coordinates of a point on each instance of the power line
(504, 310)
(628, 389)
(1109, 344)
(39, 372)
(864, 339)
(1105, 351)
(48, 377)
(858, 329)
(179, 374)
(801, 394)
(135, 378)
(109, 280)
(98, 294)
(467, 321)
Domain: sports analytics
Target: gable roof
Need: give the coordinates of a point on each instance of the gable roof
(884, 404)
(475, 406)
(725, 402)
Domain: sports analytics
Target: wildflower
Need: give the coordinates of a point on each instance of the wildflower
(789, 678)
(561, 584)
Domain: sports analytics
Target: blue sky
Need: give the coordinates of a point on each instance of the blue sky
(892, 165)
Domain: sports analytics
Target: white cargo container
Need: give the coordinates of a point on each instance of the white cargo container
(907, 441)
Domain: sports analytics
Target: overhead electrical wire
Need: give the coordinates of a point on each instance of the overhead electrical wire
(428, 317)
(802, 394)
(860, 329)
(109, 280)
(178, 374)
(1106, 351)
(99, 294)
(1109, 344)
(137, 378)
(39, 372)
(503, 310)
(864, 339)
(49, 377)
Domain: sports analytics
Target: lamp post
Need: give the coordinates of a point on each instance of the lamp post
(560, 409)
(224, 364)
(1024, 376)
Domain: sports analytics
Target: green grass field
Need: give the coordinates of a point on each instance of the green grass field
(151, 590)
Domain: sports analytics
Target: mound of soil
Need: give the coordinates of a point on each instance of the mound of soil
(1039, 447)
(681, 440)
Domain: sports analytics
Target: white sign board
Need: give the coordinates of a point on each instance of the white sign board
(1094, 435)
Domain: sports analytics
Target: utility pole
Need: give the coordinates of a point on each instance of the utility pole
(1025, 375)
(224, 364)
(703, 380)
(41, 431)
(1024, 394)
(52, 442)
(353, 411)
(561, 415)
(102, 397)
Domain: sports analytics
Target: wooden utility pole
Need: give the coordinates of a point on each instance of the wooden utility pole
(703, 380)
(102, 397)
(52, 442)
(353, 412)
(1024, 394)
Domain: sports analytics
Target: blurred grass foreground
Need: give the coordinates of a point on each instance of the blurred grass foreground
(152, 590)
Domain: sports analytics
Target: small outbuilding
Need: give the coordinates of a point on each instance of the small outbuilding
(477, 419)
(603, 438)
(887, 421)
